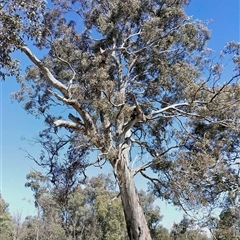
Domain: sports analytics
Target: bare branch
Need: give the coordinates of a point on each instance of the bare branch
(67, 124)
(113, 199)
(70, 66)
(130, 36)
(156, 182)
(110, 101)
(223, 86)
(85, 116)
(100, 158)
(62, 60)
(50, 78)
(152, 162)
(154, 113)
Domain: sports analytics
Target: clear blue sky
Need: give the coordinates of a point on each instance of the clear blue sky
(16, 125)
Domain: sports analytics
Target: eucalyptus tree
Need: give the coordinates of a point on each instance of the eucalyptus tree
(227, 226)
(93, 211)
(187, 229)
(133, 82)
(6, 225)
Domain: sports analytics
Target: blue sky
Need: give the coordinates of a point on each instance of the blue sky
(16, 125)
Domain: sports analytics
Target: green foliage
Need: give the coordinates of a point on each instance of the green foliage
(37, 228)
(227, 226)
(6, 226)
(96, 210)
(186, 229)
(93, 211)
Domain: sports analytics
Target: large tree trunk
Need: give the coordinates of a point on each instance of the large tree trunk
(135, 220)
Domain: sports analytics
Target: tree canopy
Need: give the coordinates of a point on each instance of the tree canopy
(132, 82)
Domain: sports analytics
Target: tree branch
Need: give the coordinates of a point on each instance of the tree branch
(67, 124)
(152, 162)
(50, 78)
(85, 116)
(223, 86)
(64, 61)
(154, 113)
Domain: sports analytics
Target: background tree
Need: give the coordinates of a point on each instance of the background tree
(123, 76)
(93, 211)
(37, 228)
(227, 226)
(6, 226)
(187, 229)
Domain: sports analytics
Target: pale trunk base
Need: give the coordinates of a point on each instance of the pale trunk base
(135, 220)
